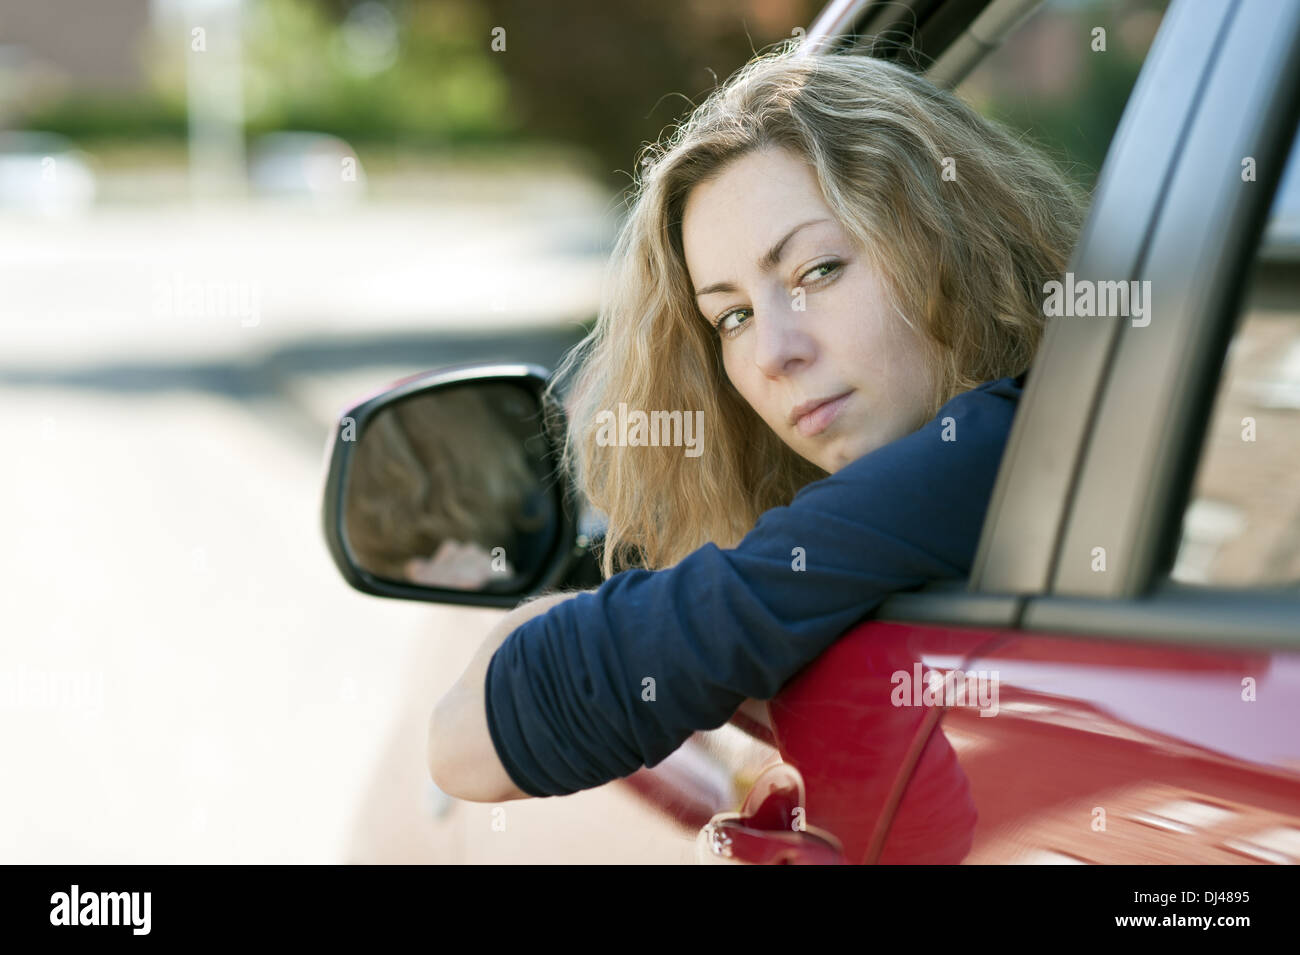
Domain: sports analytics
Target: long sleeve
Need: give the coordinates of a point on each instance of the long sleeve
(613, 680)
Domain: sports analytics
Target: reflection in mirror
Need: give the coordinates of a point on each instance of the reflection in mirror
(452, 489)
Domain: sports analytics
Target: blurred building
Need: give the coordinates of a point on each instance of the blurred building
(57, 45)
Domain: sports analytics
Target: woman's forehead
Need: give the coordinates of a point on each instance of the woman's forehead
(727, 244)
(755, 186)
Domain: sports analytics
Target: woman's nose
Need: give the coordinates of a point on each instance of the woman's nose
(783, 342)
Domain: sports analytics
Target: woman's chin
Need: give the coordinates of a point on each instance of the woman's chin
(835, 448)
(842, 451)
(830, 456)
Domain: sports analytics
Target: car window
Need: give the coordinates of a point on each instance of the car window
(1242, 525)
(1064, 75)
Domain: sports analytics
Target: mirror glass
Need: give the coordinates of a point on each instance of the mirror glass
(452, 488)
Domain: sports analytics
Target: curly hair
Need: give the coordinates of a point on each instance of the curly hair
(963, 259)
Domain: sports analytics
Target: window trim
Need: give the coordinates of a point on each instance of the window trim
(1188, 615)
(1136, 476)
(1052, 451)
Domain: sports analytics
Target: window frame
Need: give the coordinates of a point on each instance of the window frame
(1134, 472)
(1070, 477)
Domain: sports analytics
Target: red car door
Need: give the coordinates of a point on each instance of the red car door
(1146, 711)
(1126, 752)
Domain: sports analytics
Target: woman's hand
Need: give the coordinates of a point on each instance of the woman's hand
(462, 759)
(456, 566)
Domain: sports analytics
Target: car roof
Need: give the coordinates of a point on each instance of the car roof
(944, 39)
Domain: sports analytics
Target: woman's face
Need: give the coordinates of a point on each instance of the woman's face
(811, 326)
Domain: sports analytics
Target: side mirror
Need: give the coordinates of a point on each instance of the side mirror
(446, 487)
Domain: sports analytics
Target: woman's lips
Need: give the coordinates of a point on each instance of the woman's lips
(817, 420)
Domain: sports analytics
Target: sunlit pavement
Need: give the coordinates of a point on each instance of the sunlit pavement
(178, 282)
(183, 675)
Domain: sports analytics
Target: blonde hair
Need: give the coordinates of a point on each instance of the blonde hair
(964, 260)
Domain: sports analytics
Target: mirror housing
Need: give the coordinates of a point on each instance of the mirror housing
(460, 456)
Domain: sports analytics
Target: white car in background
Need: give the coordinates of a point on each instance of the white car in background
(304, 165)
(44, 174)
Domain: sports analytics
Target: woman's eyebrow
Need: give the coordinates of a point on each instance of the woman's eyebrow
(766, 264)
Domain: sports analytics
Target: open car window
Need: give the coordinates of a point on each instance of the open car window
(1242, 525)
(1063, 77)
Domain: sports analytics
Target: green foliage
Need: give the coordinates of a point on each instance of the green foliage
(442, 85)
(1077, 123)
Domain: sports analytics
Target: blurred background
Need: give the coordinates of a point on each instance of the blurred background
(219, 223)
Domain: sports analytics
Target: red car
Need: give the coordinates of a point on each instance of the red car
(1119, 679)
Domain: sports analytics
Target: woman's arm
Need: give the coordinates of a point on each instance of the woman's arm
(462, 759)
(618, 679)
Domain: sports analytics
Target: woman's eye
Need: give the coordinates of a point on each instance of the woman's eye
(832, 266)
(726, 326)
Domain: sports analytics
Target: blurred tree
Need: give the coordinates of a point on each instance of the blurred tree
(418, 72)
(369, 71)
(1067, 97)
(602, 77)
(609, 77)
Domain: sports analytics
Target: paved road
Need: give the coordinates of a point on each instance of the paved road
(183, 676)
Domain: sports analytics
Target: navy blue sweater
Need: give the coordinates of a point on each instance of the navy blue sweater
(616, 679)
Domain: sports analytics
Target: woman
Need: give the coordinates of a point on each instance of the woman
(840, 266)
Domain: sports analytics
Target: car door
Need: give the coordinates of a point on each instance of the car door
(1131, 719)
(1141, 718)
